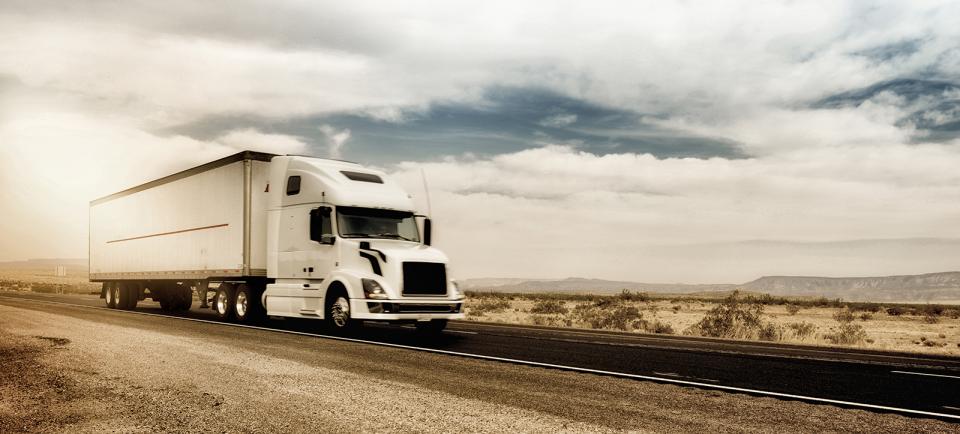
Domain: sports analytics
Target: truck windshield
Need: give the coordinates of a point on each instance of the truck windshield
(355, 222)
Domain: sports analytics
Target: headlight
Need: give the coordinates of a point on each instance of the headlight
(372, 289)
(455, 292)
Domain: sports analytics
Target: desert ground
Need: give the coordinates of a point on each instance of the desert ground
(930, 329)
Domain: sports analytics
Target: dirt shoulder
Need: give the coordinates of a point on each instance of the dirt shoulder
(76, 370)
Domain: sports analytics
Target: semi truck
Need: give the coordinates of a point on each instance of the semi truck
(274, 236)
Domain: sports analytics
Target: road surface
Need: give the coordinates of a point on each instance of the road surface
(715, 384)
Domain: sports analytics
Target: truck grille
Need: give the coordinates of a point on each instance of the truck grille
(424, 278)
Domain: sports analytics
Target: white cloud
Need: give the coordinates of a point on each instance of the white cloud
(336, 139)
(87, 93)
(559, 120)
(556, 212)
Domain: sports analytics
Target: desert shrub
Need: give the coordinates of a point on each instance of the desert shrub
(770, 332)
(660, 328)
(930, 318)
(793, 309)
(549, 307)
(490, 305)
(896, 311)
(848, 334)
(733, 318)
(843, 316)
(626, 295)
(676, 308)
(802, 330)
(866, 316)
(546, 320)
(618, 318)
(932, 310)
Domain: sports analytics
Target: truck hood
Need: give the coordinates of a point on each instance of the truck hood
(403, 251)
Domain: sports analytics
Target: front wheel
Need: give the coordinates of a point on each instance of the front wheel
(337, 313)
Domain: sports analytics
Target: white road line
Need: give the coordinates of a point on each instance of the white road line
(926, 374)
(540, 364)
(462, 332)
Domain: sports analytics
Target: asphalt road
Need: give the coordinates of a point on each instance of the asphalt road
(853, 378)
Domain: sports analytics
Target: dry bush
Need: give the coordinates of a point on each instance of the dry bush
(660, 328)
(930, 318)
(802, 330)
(489, 305)
(613, 317)
(843, 316)
(866, 316)
(770, 332)
(733, 318)
(626, 295)
(848, 334)
(793, 309)
(549, 307)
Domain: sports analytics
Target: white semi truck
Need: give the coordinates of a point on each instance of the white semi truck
(273, 236)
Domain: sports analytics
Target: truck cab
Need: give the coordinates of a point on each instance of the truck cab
(345, 245)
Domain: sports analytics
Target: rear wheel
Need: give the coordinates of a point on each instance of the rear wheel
(183, 296)
(224, 301)
(110, 295)
(127, 296)
(433, 327)
(246, 305)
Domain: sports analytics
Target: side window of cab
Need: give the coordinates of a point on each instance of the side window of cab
(293, 185)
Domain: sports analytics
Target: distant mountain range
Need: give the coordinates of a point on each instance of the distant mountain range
(909, 288)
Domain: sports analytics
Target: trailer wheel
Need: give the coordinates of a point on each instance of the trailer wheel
(108, 295)
(223, 302)
(115, 289)
(127, 295)
(183, 297)
(246, 305)
(337, 311)
(432, 327)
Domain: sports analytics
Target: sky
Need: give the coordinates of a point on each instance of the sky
(666, 141)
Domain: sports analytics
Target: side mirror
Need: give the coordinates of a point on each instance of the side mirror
(427, 229)
(328, 239)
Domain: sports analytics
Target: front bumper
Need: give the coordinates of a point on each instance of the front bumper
(406, 309)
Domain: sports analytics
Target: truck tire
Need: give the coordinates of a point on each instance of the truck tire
(110, 294)
(336, 313)
(223, 302)
(127, 296)
(183, 297)
(432, 327)
(246, 306)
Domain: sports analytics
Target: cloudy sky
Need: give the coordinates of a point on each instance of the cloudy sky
(651, 141)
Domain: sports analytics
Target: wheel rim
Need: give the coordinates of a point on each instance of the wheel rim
(241, 305)
(222, 302)
(109, 295)
(340, 312)
(116, 294)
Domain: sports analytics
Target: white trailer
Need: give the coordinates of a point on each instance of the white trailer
(285, 236)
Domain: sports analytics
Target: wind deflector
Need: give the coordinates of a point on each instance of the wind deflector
(362, 177)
